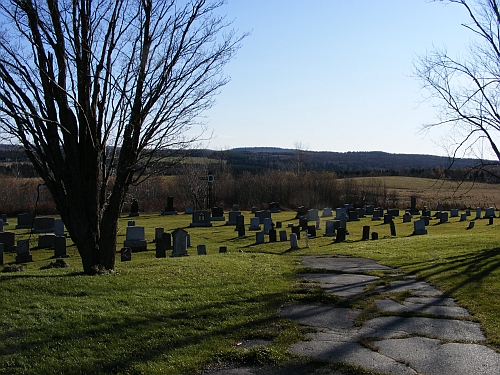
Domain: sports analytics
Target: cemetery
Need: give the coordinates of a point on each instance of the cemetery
(190, 267)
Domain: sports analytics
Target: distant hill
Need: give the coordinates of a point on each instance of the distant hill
(255, 158)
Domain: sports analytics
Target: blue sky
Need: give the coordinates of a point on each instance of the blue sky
(333, 75)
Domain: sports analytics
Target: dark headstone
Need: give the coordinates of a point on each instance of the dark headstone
(366, 232)
(340, 235)
(8, 239)
(241, 226)
(259, 238)
(23, 252)
(374, 236)
(180, 242)
(1, 254)
(160, 248)
(134, 209)
(25, 221)
(393, 228)
(296, 231)
(272, 235)
(222, 249)
(274, 207)
(202, 249)
(303, 223)
(60, 247)
(217, 214)
(311, 230)
(294, 243)
(301, 211)
(169, 208)
(283, 236)
(490, 220)
(201, 219)
(126, 254)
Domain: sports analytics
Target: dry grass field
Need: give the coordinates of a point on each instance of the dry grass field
(430, 192)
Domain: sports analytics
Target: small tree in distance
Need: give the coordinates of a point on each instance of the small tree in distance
(97, 92)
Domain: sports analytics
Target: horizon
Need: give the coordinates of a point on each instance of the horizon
(334, 76)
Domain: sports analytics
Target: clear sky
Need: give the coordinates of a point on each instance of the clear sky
(333, 75)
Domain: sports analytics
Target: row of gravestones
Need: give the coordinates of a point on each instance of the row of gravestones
(41, 225)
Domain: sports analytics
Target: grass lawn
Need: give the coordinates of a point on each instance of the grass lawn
(177, 315)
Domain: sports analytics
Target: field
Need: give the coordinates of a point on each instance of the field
(430, 192)
(178, 315)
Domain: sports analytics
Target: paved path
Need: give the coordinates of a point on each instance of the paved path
(440, 340)
(426, 333)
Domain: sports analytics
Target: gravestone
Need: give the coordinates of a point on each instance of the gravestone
(158, 233)
(343, 222)
(161, 248)
(296, 231)
(366, 233)
(25, 221)
(240, 225)
(46, 240)
(202, 249)
(200, 219)
(222, 249)
(393, 228)
(4, 219)
(490, 212)
(374, 236)
(167, 240)
(272, 235)
(254, 223)
(8, 239)
(329, 229)
(294, 243)
(126, 254)
(23, 252)
(263, 215)
(312, 215)
(58, 227)
(407, 217)
(135, 238)
(361, 212)
(301, 211)
(188, 210)
(454, 212)
(60, 247)
(43, 224)
(419, 227)
(413, 206)
(283, 236)
(169, 208)
(369, 209)
(471, 225)
(376, 215)
(268, 225)
(180, 243)
(341, 232)
(1, 254)
(131, 223)
(467, 212)
(339, 211)
(463, 216)
(311, 230)
(426, 212)
(478, 213)
(327, 212)
(279, 225)
(274, 207)
(1, 225)
(134, 209)
(443, 218)
(387, 218)
(426, 219)
(439, 207)
(304, 223)
(217, 214)
(318, 224)
(394, 212)
(353, 216)
(259, 238)
(491, 220)
(235, 207)
(233, 216)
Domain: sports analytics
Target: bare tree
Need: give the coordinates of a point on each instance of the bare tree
(467, 89)
(98, 91)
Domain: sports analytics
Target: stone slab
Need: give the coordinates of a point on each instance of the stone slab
(342, 285)
(343, 264)
(389, 305)
(320, 316)
(431, 357)
(444, 329)
(419, 288)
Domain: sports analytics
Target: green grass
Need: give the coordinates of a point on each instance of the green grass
(176, 315)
